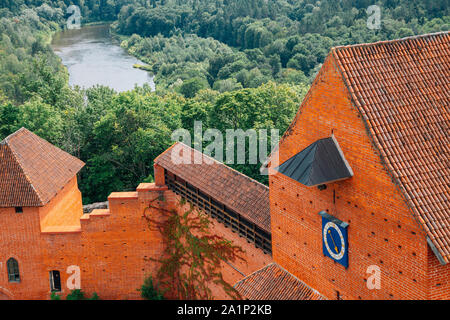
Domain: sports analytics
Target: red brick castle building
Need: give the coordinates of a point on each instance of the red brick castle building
(361, 190)
(388, 106)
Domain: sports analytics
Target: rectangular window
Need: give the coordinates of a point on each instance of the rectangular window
(55, 281)
(19, 210)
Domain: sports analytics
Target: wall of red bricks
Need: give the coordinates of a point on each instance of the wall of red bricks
(20, 239)
(159, 175)
(112, 247)
(381, 229)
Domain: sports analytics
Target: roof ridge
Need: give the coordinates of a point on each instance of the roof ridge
(4, 141)
(17, 158)
(218, 162)
(22, 171)
(311, 169)
(165, 151)
(383, 42)
(29, 151)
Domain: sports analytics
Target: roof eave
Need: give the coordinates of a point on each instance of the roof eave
(443, 261)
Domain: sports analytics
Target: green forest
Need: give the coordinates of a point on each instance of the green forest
(241, 63)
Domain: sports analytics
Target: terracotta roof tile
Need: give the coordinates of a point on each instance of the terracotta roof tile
(402, 90)
(240, 193)
(32, 170)
(274, 283)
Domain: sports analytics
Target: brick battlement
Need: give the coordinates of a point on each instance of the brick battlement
(61, 230)
(123, 195)
(112, 247)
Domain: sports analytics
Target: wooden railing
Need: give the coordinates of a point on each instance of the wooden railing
(229, 218)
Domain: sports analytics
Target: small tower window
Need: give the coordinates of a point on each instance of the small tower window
(19, 210)
(55, 281)
(13, 270)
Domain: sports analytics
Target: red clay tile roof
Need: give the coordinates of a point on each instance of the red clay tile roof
(402, 90)
(238, 192)
(274, 283)
(32, 170)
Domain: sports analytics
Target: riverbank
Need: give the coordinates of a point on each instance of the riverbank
(147, 68)
(120, 38)
(97, 23)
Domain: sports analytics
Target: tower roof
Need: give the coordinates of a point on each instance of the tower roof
(32, 170)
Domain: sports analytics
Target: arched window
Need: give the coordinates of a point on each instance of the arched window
(55, 281)
(13, 270)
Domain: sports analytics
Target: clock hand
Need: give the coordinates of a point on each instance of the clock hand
(335, 247)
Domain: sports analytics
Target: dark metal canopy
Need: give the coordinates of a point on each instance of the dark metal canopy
(320, 163)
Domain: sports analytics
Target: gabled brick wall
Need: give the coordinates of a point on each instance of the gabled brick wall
(381, 229)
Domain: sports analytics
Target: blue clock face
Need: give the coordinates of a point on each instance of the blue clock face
(334, 239)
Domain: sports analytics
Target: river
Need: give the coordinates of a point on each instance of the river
(93, 58)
